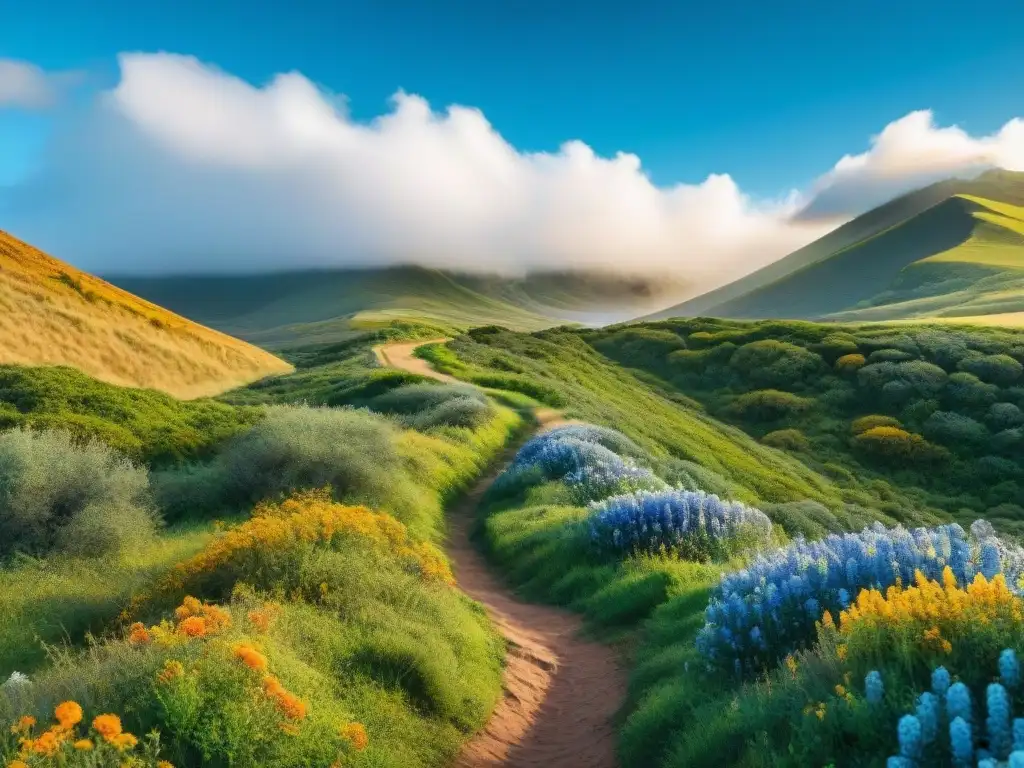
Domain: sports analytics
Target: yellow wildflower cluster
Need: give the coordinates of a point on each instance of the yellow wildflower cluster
(310, 518)
(52, 746)
(287, 703)
(934, 605)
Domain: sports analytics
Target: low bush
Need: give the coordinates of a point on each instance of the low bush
(1002, 416)
(864, 423)
(850, 363)
(771, 363)
(60, 495)
(1001, 370)
(769, 405)
(787, 440)
(896, 445)
(422, 406)
(956, 430)
(690, 524)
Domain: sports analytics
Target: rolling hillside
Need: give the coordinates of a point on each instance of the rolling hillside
(54, 314)
(950, 249)
(311, 307)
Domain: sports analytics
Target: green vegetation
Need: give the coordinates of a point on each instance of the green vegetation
(304, 308)
(291, 635)
(143, 424)
(954, 249)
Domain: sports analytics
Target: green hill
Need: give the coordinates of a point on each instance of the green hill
(950, 249)
(314, 307)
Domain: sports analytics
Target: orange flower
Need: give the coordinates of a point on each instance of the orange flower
(189, 607)
(249, 656)
(164, 764)
(193, 626)
(172, 670)
(291, 706)
(138, 634)
(107, 726)
(262, 619)
(123, 741)
(68, 714)
(355, 735)
(25, 723)
(48, 742)
(83, 744)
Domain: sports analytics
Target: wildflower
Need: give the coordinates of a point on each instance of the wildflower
(123, 741)
(291, 706)
(826, 620)
(24, 724)
(138, 634)
(819, 712)
(289, 728)
(1018, 734)
(1016, 759)
(355, 735)
(83, 745)
(190, 606)
(842, 651)
(107, 726)
(928, 715)
(960, 741)
(958, 702)
(250, 657)
(791, 665)
(940, 681)
(262, 619)
(193, 626)
(164, 764)
(16, 679)
(910, 738)
(873, 687)
(998, 721)
(48, 742)
(1009, 668)
(840, 690)
(172, 670)
(17, 764)
(68, 714)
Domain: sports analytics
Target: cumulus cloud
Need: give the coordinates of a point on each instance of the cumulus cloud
(908, 154)
(184, 168)
(23, 85)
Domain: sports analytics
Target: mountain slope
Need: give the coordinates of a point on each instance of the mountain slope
(54, 314)
(859, 259)
(288, 309)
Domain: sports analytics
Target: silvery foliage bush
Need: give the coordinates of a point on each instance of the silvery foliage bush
(693, 524)
(60, 494)
(586, 458)
(767, 610)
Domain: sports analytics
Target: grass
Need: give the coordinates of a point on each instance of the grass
(361, 632)
(53, 314)
(326, 307)
(869, 269)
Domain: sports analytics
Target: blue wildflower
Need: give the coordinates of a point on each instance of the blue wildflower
(873, 687)
(1016, 759)
(927, 712)
(940, 681)
(1018, 733)
(910, 737)
(1009, 668)
(998, 721)
(958, 702)
(960, 742)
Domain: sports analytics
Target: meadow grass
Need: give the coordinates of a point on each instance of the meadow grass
(53, 314)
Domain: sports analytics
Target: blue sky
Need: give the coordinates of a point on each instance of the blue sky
(772, 93)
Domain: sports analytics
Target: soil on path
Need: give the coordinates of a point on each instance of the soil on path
(561, 692)
(400, 355)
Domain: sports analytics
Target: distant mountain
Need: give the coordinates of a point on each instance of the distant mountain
(952, 249)
(54, 314)
(296, 308)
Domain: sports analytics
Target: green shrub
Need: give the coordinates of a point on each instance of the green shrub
(60, 495)
(769, 405)
(296, 448)
(955, 429)
(889, 355)
(894, 444)
(535, 389)
(850, 363)
(968, 391)
(864, 423)
(901, 380)
(422, 406)
(1004, 416)
(143, 424)
(787, 439)
(771, 363)
(1001, 370)
(836, 346)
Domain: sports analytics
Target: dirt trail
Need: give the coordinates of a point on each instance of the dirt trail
(400, 355)
(561, 691)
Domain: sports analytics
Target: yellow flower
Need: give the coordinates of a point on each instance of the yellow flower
(165, 764)
(123, 741)
(820, 711)
(791, 665)
(17, 764)
(172, 670)
(840, 690)
(841, 652)
(68, 714)
(83, 744)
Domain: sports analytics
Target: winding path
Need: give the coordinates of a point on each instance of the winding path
(561, 692)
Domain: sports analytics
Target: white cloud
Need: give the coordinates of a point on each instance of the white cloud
(23, 85)
(184, 168)
(910, 153)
